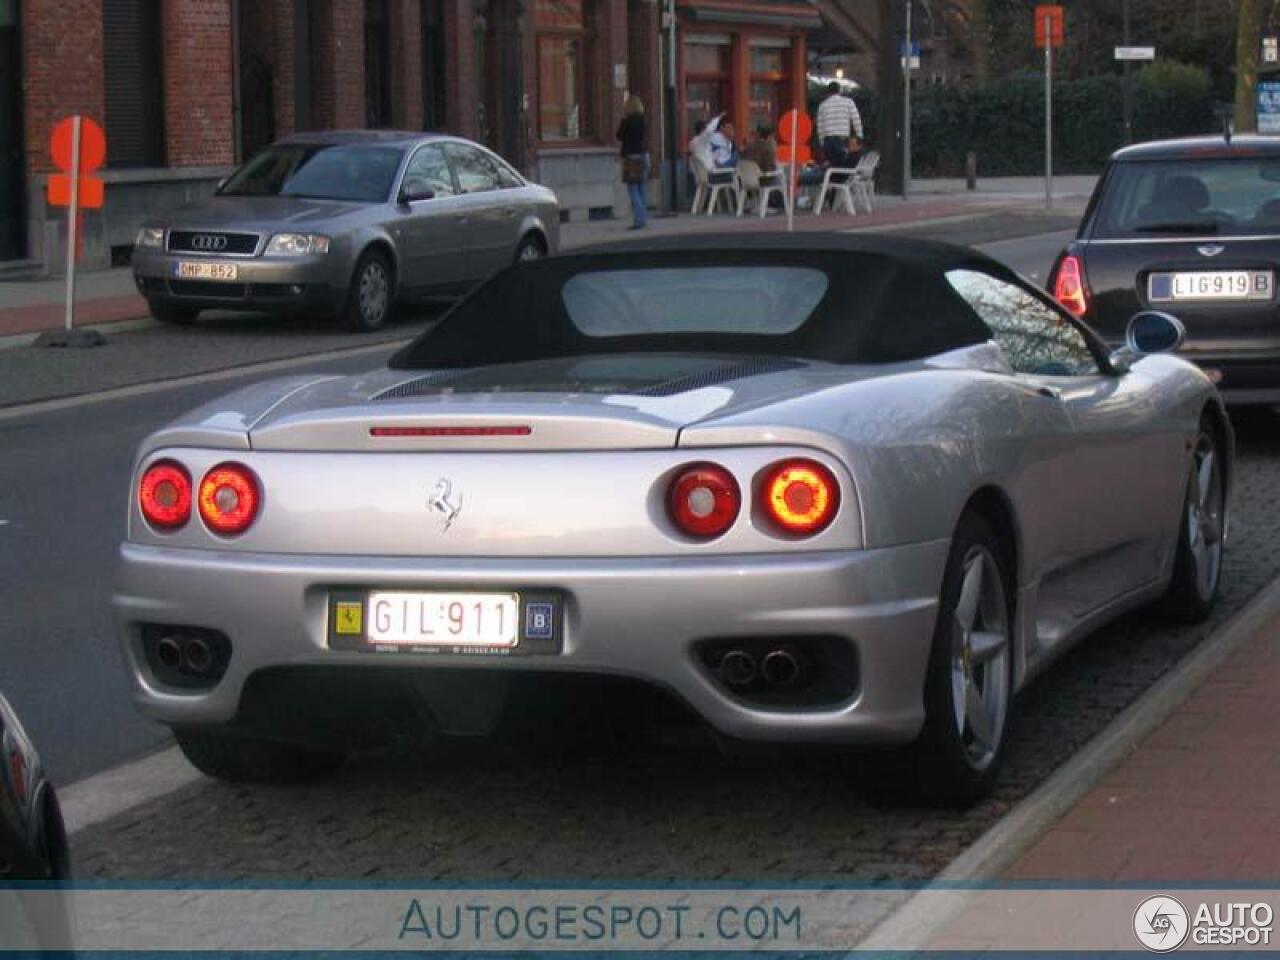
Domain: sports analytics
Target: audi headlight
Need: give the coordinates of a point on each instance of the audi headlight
(150, 237)
(297, 245)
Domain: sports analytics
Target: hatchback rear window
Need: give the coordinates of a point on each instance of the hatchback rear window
(1187, 197)
(761, 300)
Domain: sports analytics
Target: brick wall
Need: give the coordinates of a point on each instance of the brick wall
(199, 125)
(338, 69)
(460, 75)
(61, 69)
(406, 64)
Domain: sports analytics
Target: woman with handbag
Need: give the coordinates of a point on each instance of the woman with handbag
(635, 158)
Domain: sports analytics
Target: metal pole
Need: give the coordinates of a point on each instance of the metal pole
(906, 109)
(73, 216)
(673, 101)
(1048, 113)
(790, 198)
(1128, 83)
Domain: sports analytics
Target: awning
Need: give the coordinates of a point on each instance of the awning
(795, 16)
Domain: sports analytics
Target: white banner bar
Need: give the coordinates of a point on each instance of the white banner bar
(1014, 920)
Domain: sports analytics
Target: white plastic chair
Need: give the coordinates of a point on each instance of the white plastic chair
(751, 179)
(711, 185)
(864, 178)
(842, 189)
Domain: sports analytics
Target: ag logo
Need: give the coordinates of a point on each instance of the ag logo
(1161, 924)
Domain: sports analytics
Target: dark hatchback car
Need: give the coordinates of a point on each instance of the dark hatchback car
(1190, 227)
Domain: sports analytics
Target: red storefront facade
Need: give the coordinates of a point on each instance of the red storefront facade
(188, 88)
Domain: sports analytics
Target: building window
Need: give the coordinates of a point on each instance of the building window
(561, 35)
(706, 71)
(377, 64)
(132, 64)
(768, 84)
(433, 65)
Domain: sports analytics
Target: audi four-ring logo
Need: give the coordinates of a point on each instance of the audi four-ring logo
(210, 242)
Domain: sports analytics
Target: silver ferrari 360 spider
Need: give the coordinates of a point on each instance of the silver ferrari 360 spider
(833, 489)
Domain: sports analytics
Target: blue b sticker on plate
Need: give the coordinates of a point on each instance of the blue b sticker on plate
(539, 621)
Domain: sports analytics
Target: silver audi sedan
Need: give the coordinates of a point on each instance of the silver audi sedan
(345, 223)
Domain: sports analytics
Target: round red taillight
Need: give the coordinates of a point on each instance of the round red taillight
(800, 496)
(704, 500)
(229, 498)
(164, 495)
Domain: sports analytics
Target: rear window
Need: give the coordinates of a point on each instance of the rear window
(791, 302)
(764, 300)
(1223, 197)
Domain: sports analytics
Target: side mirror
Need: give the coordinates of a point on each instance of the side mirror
(1149, 331)
(415, 189)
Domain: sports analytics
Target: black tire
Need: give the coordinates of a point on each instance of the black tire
(172, 314)
(952, 764)
(1197, 565)
(370, 296)
(241, 759)
(531, 248)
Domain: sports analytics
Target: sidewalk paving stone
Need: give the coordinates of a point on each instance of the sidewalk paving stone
(1197, 800)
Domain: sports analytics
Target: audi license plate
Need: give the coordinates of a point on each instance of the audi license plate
(197, 270)
(1210, 285)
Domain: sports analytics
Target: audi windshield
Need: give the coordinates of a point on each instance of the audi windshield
(355, 172)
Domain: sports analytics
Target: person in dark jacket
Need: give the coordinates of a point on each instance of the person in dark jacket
(635, 158)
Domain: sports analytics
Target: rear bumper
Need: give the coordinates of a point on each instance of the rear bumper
(640, 618)
(303, 284)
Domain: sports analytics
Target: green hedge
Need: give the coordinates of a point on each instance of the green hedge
(1004, 123)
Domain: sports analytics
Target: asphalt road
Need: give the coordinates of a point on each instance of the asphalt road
(63, 480)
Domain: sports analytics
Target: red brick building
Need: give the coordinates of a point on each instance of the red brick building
(185, 89)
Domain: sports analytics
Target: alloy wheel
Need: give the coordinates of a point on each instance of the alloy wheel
(980, 658)
(1205, 516)
(374, 292)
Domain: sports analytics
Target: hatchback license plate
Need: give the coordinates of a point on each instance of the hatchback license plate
(1211, 285)
(196, 270)
(442, 619)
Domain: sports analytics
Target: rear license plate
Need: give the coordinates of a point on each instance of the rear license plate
(195, 270)
(445, 621)
(1210, 285)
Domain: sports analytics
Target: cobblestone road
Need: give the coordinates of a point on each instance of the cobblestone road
(662, 810)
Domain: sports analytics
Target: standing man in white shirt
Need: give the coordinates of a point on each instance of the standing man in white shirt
(839, 128)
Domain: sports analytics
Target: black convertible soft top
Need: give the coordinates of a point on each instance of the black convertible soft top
(886, 300)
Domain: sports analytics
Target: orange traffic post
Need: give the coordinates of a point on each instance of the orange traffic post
(78, 147)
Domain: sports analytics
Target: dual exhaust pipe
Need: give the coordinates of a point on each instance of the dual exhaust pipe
(778, 668)
(191, 655)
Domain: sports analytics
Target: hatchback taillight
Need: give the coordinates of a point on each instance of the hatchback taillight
(229, 498)
(704, 500)
(1068, 286)
(164, 495)
(800, 496)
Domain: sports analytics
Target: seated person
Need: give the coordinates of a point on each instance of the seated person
(724, 149)
(763, 150)
(703, 149)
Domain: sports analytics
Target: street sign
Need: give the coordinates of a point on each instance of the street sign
(1270, 50)
(78, 147)
(1268, 101)
(1049, 25)
(1135, 53)
(93, 151)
